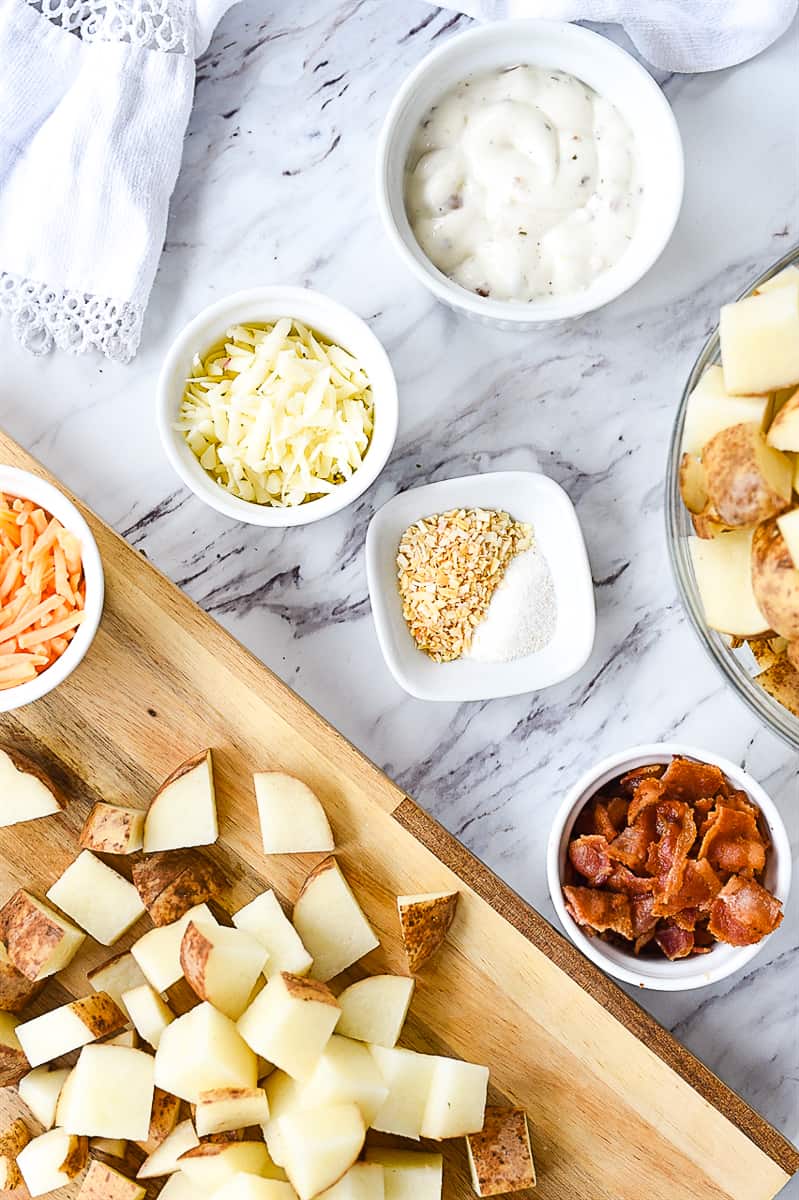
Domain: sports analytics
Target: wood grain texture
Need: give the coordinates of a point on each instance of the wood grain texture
(618, 1110)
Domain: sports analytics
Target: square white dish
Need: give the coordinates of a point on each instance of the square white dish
(529, 497)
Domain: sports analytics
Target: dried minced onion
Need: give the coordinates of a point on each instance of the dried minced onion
(277, 414)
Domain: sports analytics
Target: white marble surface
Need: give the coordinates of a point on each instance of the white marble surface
(277, 186)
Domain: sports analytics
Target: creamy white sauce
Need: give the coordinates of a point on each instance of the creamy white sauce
(521, 184)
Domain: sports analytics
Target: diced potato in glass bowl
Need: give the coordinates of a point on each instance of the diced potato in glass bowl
(732, 496)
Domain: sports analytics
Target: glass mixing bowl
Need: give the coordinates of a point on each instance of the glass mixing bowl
(737, 666)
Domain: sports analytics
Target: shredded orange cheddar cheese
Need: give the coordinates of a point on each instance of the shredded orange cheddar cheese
(42, 590)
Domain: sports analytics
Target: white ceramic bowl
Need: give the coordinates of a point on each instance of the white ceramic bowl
(615, 75)
(527, 497)
(30, 487)
(260, 305)
(657, 974)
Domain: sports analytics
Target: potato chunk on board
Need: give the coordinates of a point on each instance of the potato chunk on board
(27, 792)
(500, 1155)
(97, 898)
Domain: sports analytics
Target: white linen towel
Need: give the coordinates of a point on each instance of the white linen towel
(673, 35)
(94, 100)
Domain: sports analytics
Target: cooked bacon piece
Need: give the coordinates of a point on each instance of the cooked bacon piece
(733, 842)
(644, 920)
(603, 826)
(589, 857)
(687, 918)
(617, 811)
(744, 912)
(648, 793)
(622, 880)
(675, 942)
(700, 886)
(632, 845)
(676, 835)
(600, 911)
(689, 781)
(629, 782)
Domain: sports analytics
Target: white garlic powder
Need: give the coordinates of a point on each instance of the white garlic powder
(522, 615)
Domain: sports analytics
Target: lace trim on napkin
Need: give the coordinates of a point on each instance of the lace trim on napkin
(152, 24)
(43, 317)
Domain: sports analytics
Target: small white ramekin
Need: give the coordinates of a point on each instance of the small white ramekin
(262, 305)
(16, 482)
(661, 975)
(608, 69)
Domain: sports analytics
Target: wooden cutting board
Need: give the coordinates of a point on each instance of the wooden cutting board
(618, 1109)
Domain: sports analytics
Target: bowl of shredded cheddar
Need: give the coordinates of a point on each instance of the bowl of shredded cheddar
(277, 406)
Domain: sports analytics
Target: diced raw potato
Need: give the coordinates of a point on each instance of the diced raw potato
(374, 1009)
(783, 432)
(51, 1160)
(284, 1095)
(111, 1147)
(425, 922)
(202, 1051)
(781, 680)
(118, 975)
(173, 881)
(363, 1181)
(109, 1094)
(789, 274)
(178, 1187)
(13, 1141)
(112, 829)
(747, 481)
(104, 1183)
(788, 525)
(775, 580)
(39, 941)
(98, 898)
(723, 575)
(183, 810)
(711, 408)
(15, 990)
(224, 1109)
(693, 485)
(64, 1099)
(164, 1160)
(760, 341)
(500, 1155)
(70, 1026)
(212, 1164)
(163, 1119)
(321, 1144)
(148, 1012)
(409, 1175)
(291, 816)
(707, 524)
(40, 1090)
(253, 1187)
(346, 1073)
(158, 952)
(330, 922)
(128, 1037)
(13, 1063)
(222, 965)
(456, 1100)
(290, 1023)
(265, 920)
(408, 1076)
(27, 792)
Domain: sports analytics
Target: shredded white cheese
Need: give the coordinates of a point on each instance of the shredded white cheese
(277, 414)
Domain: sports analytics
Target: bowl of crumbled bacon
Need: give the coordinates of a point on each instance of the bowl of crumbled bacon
(51, 587)
(669, 867)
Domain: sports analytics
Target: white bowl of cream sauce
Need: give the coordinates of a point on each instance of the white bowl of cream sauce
(529, 171)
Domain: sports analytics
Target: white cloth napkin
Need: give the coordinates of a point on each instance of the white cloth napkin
(94, 100)
(672, 35)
